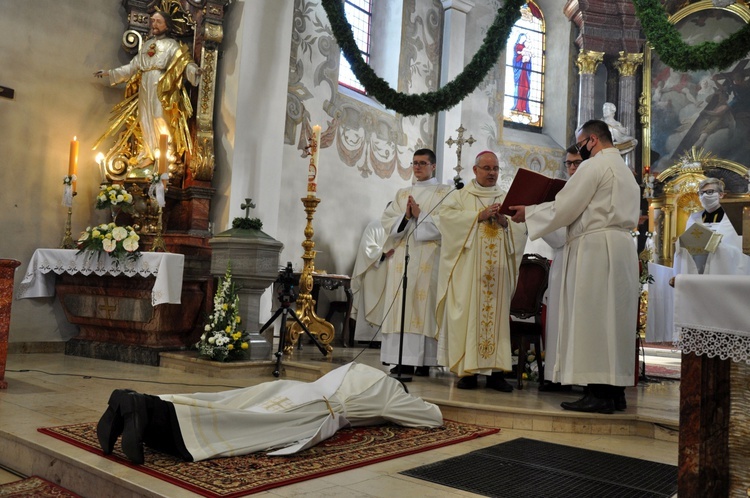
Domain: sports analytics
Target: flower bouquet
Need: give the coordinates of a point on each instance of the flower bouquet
(222, 340)
(114, 197)
(118, 242)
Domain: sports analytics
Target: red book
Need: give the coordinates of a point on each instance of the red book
(529, 188)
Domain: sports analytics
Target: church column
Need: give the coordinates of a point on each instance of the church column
(627, 65)
(451, 64)
(251, 100)
(587, 62)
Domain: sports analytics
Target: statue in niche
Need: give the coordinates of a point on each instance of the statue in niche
(620, 137)
(156, 101)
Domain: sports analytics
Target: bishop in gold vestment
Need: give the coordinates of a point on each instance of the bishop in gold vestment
(481, 255)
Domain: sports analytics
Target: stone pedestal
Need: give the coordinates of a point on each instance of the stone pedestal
(254, 259)
(7, 271)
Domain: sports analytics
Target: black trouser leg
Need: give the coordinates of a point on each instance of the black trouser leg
(163, 430)
(607, 391)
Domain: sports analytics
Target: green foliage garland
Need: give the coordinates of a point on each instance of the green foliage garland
(677, 54)
(431, 102)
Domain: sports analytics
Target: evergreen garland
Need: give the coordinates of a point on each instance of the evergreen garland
(431, 102)
(674, 52)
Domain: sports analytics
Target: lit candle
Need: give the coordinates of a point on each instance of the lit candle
(312, 173)
(102, 171)
(163, 154)
(73, 162)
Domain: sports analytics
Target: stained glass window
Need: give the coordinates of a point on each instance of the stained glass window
(359, 15)
(524, 69)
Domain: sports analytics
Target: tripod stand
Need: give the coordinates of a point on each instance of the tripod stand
(286, 297)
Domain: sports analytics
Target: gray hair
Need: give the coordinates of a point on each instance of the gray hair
(712, 181)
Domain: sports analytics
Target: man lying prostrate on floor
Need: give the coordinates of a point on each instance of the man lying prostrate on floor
(285, 414)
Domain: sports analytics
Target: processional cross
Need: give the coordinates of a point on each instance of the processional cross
(459, 145)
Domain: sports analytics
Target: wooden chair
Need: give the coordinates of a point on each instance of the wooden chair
(527, 303)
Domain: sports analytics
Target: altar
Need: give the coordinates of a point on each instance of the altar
(127, 310)
(712, 323)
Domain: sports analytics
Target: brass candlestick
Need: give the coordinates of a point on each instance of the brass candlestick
(159, 245)
(67, 241)
(317, 326)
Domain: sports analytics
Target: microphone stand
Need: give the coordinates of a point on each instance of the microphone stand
(398, 375)
(458, 185)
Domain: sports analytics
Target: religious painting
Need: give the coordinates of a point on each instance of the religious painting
(708, 110)
(524, 68)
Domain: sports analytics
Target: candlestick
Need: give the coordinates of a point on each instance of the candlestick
(73, 161)
(102, 170)
(163, 149)
(312, 173)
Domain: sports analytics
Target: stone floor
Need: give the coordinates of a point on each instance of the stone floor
(54, 389)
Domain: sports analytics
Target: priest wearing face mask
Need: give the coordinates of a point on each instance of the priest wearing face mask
(728, 258)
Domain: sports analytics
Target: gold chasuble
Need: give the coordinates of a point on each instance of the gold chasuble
(477, 278)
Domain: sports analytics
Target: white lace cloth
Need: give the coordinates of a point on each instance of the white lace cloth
(39, 280)
(712, 316)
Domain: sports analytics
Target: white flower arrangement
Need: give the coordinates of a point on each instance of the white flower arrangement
(222, 338)
(119, 242)
(114, 196)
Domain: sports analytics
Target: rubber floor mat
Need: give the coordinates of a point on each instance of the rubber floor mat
(530, 468)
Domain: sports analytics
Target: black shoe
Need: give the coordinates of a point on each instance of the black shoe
(590, 404)
(469, 382)
(133, 409)
(554, 387)
(111, 424)
(621, 404)
(405, 370)
(497, 382)
(422, 371)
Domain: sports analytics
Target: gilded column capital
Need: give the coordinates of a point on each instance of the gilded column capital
(588, 60)
(627, 64)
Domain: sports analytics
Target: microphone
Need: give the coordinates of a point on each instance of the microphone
(458, 182)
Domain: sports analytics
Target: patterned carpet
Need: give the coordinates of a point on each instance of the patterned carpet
(240, 476)
(34, 487)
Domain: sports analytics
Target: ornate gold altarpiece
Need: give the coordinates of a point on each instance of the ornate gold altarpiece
(676, 198)
(198, 24)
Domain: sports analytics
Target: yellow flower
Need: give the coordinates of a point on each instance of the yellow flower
(230, 347)
(225, 307)
(245, 345)
(238, 319)
(228, 329)
(525, 376)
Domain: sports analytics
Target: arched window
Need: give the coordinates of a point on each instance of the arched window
(359, 15)
(524, 70)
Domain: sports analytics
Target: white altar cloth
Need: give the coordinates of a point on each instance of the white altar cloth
(711, 315)
(46, 263)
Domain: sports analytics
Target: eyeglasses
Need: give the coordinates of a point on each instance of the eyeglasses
(583, 142)
(575, 163)
(707, 192)
(421, 164)
(487, 169)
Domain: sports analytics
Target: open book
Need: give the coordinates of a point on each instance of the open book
(699, 239)
(528, 188)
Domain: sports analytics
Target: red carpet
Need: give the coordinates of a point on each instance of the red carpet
(34, 487)
(240, 476)
(662, 371)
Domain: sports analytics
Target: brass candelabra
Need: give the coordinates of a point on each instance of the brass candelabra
(317, 326)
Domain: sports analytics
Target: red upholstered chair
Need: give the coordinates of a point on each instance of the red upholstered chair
(527, 303)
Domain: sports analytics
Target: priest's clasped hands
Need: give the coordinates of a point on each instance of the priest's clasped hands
(412, 209)
(491, 213)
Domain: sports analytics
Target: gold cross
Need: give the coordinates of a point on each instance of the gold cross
(459, 145)
(277, 404)
(108, 308)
